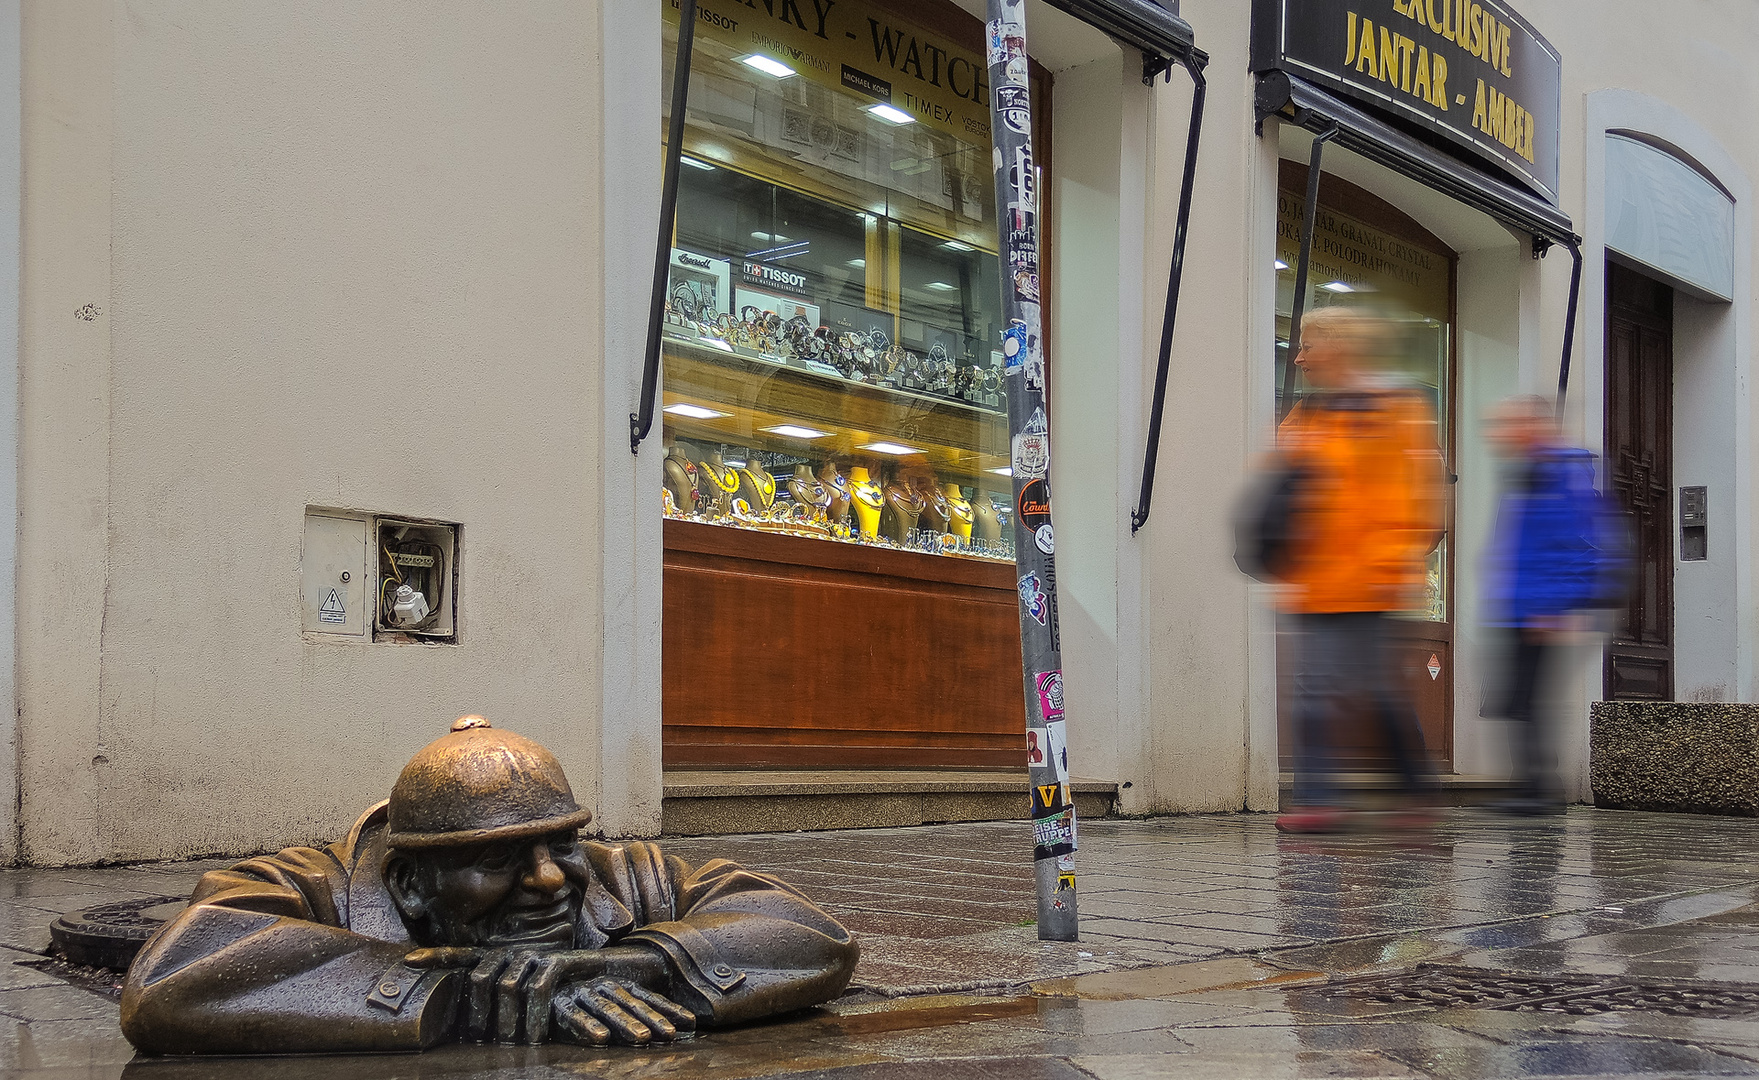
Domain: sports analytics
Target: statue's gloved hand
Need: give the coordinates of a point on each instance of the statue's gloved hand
(511, 987)
(603, 1011)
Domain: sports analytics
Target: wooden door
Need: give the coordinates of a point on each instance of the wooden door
(1639, 465)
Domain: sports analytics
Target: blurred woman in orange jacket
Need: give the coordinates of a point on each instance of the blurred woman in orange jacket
(1369, 511)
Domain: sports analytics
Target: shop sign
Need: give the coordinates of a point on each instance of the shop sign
(1366, 257)
(767, 276)
(853, 47)
(1473, 71)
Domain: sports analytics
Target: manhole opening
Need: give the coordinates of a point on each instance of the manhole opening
(1438, 987)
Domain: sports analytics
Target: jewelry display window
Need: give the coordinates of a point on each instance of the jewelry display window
(833, 347)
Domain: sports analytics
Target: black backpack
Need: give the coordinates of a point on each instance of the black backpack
(1264, 521)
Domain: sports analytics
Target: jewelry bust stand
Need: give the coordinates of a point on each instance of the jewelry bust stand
(837, 485)
(937, 511)
(680, 480)
(716, 482)
(985, 524)
(866, 500)
(809, 490)
(757, 486)
(903, 508)
(960, 511)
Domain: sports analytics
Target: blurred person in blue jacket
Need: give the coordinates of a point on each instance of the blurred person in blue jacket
(1557, 551)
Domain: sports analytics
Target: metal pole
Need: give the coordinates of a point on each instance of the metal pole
(1308, 213)
(1053, 810)
(642, 421)
(1563, 370)
(1175, 276)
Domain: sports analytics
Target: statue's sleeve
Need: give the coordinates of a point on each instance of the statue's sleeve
(740, 945)
(261, 962)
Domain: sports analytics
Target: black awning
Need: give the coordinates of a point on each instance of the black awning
(1161, 36)
(1289, 98)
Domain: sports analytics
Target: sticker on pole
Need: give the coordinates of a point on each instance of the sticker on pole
(1058, 749)
(1033, 600)
(1006, 40)
(1044, 539)
(1032, 453)
(1053, 836)
(1014, 346)
(1035, 504)
(1048, 799)
(1014, 106)
(1050, 695)
(1037, 748)
(1023, 178)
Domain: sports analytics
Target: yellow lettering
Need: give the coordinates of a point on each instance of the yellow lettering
(1474, 30)
(1493, 113)
(1047, 793)
(1491, 26)
(1389, 57)
(1350, 39)
(1421, 86)
(1438, 81)
(1478, 113)
(1511, 122)
(1449, 25)
(1504, 65)
(1530, 150)
(1405, 45)
(1520, 146)
(1365, 51)
(1418, 12)
(1400, 8)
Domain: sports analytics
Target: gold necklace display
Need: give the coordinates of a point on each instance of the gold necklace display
(763, 482)
(727, 482)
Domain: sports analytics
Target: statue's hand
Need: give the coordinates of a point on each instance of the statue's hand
(602, 1011)
(510, 985)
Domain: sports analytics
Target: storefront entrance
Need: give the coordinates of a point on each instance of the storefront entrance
(1639, 467)
(1367, 251)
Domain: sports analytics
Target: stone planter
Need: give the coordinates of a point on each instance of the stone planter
(1683, 756)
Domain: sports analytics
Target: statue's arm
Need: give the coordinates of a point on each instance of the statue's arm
(251, 967)
(743, 945)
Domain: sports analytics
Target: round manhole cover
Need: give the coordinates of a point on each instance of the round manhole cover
(109, 935)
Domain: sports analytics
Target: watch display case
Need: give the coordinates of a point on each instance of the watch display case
(832, 316)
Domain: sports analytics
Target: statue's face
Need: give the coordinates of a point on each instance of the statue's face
(510, 892)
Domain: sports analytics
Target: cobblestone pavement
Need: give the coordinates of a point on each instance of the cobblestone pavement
(1595, 944)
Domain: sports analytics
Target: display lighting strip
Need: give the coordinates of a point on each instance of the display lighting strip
(775, 69)
(694, 412)
(890, 448)
(796, 431)
(891, 114)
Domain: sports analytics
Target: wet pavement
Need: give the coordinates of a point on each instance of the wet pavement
(1596, 944)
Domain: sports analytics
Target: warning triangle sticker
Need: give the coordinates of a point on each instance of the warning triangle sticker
(1434, 667)
(331, 610)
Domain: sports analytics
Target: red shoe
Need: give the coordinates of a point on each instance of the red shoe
(1323, 819)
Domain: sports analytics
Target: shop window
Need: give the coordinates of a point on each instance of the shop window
(832, 339)
(1366, 252)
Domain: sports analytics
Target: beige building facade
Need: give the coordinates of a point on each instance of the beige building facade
(390, 266)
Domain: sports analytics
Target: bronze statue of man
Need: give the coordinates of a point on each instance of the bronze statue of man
(466, 907)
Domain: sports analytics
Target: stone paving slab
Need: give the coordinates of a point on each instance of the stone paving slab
(1212, 947)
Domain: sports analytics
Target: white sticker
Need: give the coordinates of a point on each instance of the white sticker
(1057, 746)
(1045, 540)
(331, 610)
(1434, 667)
(1032, 454)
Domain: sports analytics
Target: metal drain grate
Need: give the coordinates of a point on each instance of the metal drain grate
(1472, 988)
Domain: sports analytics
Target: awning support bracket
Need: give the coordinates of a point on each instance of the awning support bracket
(642, 421)
(1309, 220)
(1194, 63)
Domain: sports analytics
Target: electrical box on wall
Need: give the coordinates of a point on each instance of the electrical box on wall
(1694, 524)
(367, 577)
(417, 565)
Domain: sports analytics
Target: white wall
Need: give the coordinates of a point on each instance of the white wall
(343, 255)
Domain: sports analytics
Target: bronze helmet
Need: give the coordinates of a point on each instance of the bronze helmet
(476, 784)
